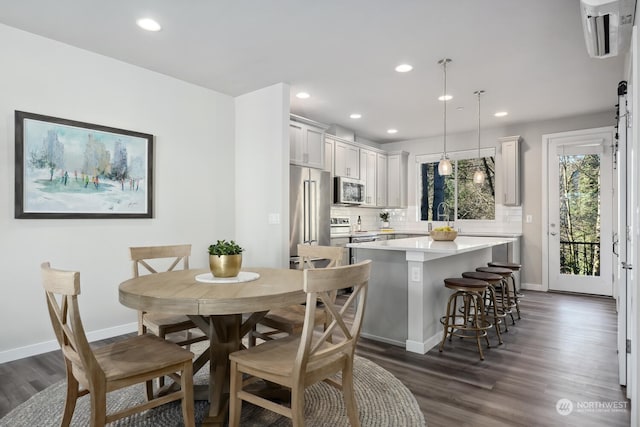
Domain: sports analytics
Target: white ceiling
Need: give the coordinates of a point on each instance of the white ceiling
(528, 55)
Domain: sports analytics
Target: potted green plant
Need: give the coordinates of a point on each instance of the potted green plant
(384, 216)
(225, 258)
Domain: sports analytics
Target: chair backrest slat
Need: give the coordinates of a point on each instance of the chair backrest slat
(142, 254)
(65, 319)
(321, 283)
(311, 254)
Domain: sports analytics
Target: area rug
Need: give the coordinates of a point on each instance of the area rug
(382, 401)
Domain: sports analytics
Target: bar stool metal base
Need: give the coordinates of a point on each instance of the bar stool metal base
(513, 267)
(507, 294)
(472, 322)
(491, 305)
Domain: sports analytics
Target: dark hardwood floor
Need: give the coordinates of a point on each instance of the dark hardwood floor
(564, 347)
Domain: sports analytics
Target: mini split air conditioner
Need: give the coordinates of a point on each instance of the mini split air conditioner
(607, 26)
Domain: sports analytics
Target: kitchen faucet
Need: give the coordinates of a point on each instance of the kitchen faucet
(445, 212)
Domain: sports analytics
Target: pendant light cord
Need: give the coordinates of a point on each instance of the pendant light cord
(479, 93)
(444, 95)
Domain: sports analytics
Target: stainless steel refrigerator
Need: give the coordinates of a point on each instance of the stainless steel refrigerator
(309, 206)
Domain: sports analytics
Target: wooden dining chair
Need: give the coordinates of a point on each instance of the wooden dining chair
(114, 366)
(289, 320)
(152, 259)
(162, 324)
(299, 361)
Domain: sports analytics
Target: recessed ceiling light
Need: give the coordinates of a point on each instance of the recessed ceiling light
(404, 68)
(148, 24)
(445, 98)
(501, 114)
(355, 115)
(302, 95)
(392, 131)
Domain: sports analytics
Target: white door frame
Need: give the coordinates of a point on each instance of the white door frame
(634, 378)
(545, 191)
(622, 221)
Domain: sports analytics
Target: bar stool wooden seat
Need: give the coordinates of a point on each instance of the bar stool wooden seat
(513, 266)
(491, 305)
(510, 265)
(506, 294)
(472, 322)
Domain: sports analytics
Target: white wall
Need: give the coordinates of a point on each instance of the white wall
(194, 149)
(530, 169)
(262, 176)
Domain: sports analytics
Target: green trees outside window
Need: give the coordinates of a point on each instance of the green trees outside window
(463, 200)
(580, 214)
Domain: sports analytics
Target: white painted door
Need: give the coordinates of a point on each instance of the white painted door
(580, 211)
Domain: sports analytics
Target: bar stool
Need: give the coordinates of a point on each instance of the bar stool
(491, 305)
(472, 322)
(505, 293)
(513, 267)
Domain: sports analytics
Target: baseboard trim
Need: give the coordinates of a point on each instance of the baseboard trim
(46, 346)
(382, 339)
(531, 286)
(423, 347)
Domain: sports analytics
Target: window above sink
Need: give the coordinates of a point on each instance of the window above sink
(456, 197)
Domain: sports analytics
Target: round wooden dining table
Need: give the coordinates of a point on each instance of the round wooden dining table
(217, 309)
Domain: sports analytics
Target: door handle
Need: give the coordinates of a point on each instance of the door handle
(313, 212)
(626, 266)
(306, 233)
(553, 233)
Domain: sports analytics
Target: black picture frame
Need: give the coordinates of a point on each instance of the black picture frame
(67, 169)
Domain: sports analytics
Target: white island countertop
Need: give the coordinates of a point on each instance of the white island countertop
(426, 244)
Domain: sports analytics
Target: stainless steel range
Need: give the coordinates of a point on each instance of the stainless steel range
(340, 226)
(340, 232)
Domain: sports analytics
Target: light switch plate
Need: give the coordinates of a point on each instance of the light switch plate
(274, 218)
(529, 219)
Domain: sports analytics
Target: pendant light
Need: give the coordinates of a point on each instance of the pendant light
(444, 167)
(478, 175)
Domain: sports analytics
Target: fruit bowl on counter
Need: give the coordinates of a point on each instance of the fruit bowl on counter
(443, 234)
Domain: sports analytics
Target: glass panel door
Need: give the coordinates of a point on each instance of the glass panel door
(580, 216)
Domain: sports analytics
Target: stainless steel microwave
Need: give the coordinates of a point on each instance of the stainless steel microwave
(348, 191)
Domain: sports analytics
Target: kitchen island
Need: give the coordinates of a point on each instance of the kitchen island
(406, 296)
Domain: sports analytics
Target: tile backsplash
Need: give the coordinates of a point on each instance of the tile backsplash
(508, 219)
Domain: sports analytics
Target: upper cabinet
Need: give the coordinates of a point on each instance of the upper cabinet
(328, 156)
(368, 166)
(397, 164)
(381, 180)
(306, 143)
(383, 174)
(346, 159)
(511, 170)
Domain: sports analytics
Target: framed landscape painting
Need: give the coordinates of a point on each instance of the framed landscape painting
(70, 169)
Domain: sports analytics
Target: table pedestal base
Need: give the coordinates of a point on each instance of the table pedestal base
(225, 334)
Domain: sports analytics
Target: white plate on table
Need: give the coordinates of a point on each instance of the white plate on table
(243, 276)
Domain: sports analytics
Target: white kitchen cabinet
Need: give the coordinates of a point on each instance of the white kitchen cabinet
(328, 165)
(306, 145)
(368, 165)
(328, 155)
(346, 159)
(381, 180)
(510, 170)
(397, 163)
